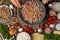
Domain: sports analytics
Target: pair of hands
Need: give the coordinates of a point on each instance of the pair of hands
(18, 4)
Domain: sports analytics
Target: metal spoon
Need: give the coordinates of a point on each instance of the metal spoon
(12, 7)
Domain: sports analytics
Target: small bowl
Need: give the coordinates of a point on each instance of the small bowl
(13, 21)
(2, 20)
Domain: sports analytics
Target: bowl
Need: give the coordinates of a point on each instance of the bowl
(38, 21)
(2, 20)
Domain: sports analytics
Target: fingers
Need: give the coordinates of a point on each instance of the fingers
(16, 3)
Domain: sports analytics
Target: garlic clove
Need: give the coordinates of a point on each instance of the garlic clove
(50, 5)
(20, 29)
(51, 25)
(39, 30)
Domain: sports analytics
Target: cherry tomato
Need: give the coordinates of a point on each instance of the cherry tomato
(52, 20)
(17, 24)
(49, 22)
(42, 26)
(28, 29)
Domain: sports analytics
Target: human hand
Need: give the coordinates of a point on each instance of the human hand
(16, 3)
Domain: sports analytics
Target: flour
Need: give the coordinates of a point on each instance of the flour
(23, 36)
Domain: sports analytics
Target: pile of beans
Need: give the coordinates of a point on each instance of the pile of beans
(31, 11)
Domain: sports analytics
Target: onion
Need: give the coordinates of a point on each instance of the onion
(48, 30)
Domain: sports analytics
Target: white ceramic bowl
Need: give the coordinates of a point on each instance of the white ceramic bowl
(1, 20)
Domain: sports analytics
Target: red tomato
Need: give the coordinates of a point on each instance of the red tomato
(52, 20)
(28, 30)
(42, 26)
(49, 19)
(17, 24)
(49, 22)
